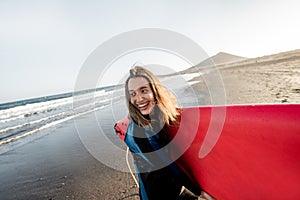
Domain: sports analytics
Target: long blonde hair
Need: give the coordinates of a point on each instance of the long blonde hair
(165, 100)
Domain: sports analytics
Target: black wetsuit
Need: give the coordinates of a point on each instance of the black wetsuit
(159, 177)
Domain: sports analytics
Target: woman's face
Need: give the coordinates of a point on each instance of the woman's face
(141, 95)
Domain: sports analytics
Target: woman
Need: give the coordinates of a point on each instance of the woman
(151, 109)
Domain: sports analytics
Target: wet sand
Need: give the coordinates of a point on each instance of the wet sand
(57, 166)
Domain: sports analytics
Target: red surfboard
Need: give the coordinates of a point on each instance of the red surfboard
(239, 152)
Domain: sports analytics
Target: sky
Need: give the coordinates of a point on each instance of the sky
(44, 44)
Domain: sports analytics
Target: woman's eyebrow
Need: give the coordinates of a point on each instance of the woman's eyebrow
(143, 87)
(140, 88)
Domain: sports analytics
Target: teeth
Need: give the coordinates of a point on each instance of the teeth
(142, 105)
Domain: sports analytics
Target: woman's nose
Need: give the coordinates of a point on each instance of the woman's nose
(139, 97)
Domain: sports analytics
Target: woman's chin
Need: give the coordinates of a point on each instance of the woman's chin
(147, 111)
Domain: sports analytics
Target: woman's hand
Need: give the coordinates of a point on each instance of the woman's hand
(205, 196)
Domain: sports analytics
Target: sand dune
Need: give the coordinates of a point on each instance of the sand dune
(267, 79)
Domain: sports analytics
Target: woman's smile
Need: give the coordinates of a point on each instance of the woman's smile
(143, 106)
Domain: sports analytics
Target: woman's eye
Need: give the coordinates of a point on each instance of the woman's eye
(144, 91)
(132, 94)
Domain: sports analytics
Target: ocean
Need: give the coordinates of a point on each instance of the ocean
(23, 118)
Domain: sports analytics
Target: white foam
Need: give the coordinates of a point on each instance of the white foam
(39, 116)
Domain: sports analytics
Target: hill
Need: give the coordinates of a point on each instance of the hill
(219, 59)
(224, 60)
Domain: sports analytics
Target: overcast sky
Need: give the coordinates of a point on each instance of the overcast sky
(43, 44)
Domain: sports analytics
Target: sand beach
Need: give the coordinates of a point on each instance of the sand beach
(59, 166)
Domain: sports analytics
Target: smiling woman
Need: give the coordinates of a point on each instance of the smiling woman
(144, 92)
(152, 108)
